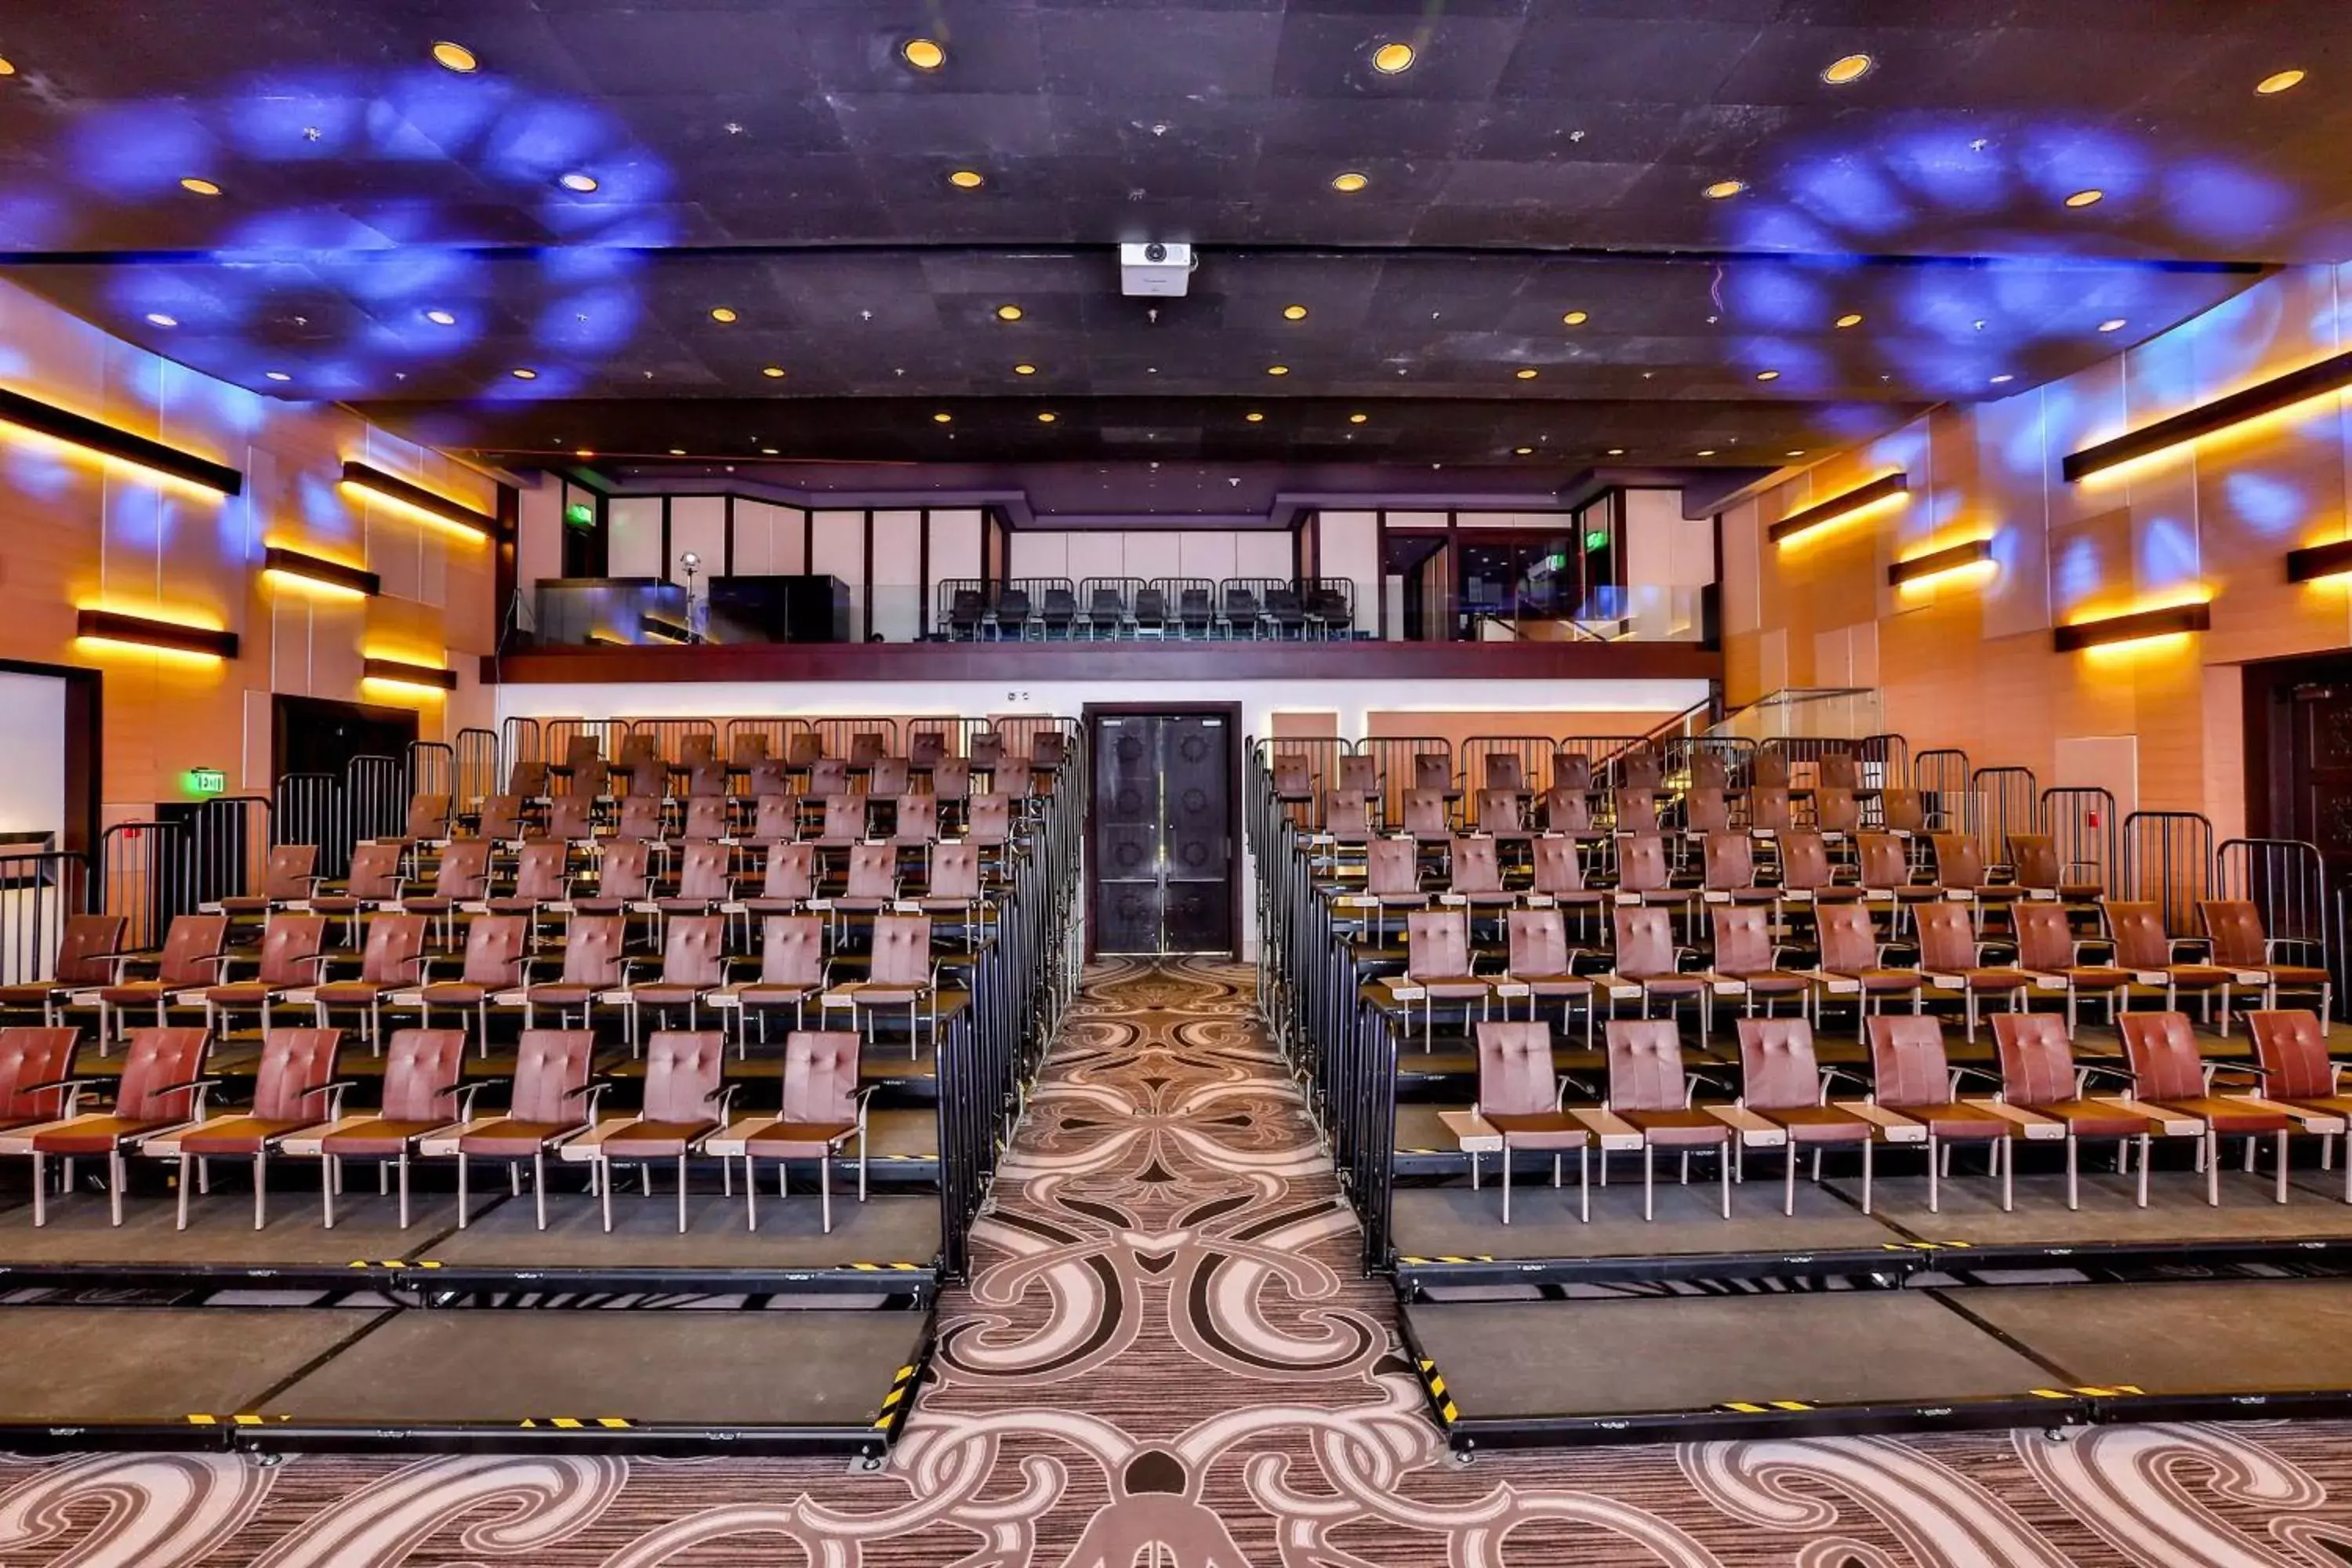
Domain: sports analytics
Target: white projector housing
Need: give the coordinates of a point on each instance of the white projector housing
(1155, 270)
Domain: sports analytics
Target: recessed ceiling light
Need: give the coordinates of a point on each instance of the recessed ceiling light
(678, 451)
(1008, 312)
(523, 373)
(2278, 81)
(441, 318)
(1574, 319)
(1846, 68)
(1254, 417)
(1294, 312)
(1348, 184)
(584, 452)
(454, 57)
(276, 376)
(1797, 452)
(924, 54)
(1391, 58)
(1024, 370)
(1851, 319)
(941, 417)
(1522, 451)
(2003, 379)
(721, 315)
(1768, 375)
(1045, 416)
(1357, 418)
(1525, 373)
(773, 372)
(1616, 451)
(577, 181)
(767, 451)
(2085, 198)
(161, 319)
(966, 179)
(1723, 189)
(1706, 452)
(2111, 324)
(1277, 370)
(196, 188)
(7, 65)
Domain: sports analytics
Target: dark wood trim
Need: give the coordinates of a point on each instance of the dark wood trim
(865, 583)
(1236, 829)
(727, 552)
(808, 542)
(667, 566)
(85, 747)
(1379, 571)
(506, 566)
(923, 573)
(1172, 660)
(2267, 724)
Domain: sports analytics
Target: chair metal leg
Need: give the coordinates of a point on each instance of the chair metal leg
(184, 1192)
(750, 1194)
(1584, 1183)
(1647, 1184)
(1723, 1161)
(1788, 1180)
(825, 1188)
(2282, 1165)
(41, 1188)
(114, 1174)
(1506, 1179)
(2211, 1149)
(681, 1192)
(403, 1187)
(260, 1188)
(461, 1192)
(1866, 1160)
(1935, 1205)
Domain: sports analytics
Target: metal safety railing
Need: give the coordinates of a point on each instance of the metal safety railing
(38, 892)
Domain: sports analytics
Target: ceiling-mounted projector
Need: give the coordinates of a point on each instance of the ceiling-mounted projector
(1155, 270)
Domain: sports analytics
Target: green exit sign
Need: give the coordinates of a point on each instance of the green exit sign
(1597, 540)
(580, 514)
(207, 781)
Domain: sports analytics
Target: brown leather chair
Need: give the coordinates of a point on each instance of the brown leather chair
(775, 820)
(638, 747)
(1901, 812)
(705, 781)
(499, 818)
(37, 1075)
(787, 881)
(2046, 945)
(1781, 1083)
(873, 884)
(1361, 775)
(1639, 766)
(1503, 771)
(1910, 1074)
(1807, 875)
(1432, 771)
(826, 776)
(641, 819)
(2168, 1072)
(492, 966)
(1705, 812)
(1012, 778)
(746, 748)
(2137, 929)
(803, 749)
(2038, 1074)
(952, 781)
(1961, 868)
(1634, 811)
(373, 881)
(685, 1103)
(1851, 955)
(1644, 873)
(953, 887)
(1836, 814)
(1768, 768)
(623, 880)
(291, 945)
(705, 879)
(2034, 858)
(1952, 958)
(543, 877)
(1474, 875)
(463, 877)
(590, 780)
(293, 1088)
(1572, 771)
(2291, 1054)
(693, 965)
(647, 779)
(1519, 1097)
(392, 961)
(1770, 814)
(1647, 958)
(767, 777)
(1347, 815)
(916, 821)
(551, 1099)
(696, 748)
(1495, 812)
(1836, 770)
(1706, 771)
(1728, 872)
(527, 779)
(866, 748)
(899, 972)
(1743, 951)
(822, 1108)
(1540, 959)
(887, 776)
(793, 970)
(988, 822)
(1885, 862)
(592, 965)
(159, 1088)
(706, 816)
(1649, 1091)
(2234, 927)
(926, 748)
(1425, 815)
(285, 878)
(844, 821)
(87, 948)
(421, 1096)
(1438, 961)
(191, 958)
(1568, 811)
(572, 819)
(1393, 878)
(1560, 877)
(428, 821)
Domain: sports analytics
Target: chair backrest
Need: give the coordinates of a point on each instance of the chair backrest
(952, 779)
(591, 778)
(1743, 939)
(1515, 1076)
(1391, 868)
(500, 817)
(85, 948)
(1359, 774)
(1506, 770)
(591, 950)
(542, 870)
(622, 869)
(1558, 867)
(571, 818)
(526, 780)
(2234, 927)
(902, 951)
(1908, 1066)
(791, 949)
(1849, 938)
(926, 749)
(375, 871)
(1730, 861)
(770, 775)
(1640, 768)
(1573, 771)
(494, 948)
(821, 1076)
(428, 817)
(1433, 770)
(1900, 811)
(394, 943)
(1424, 813)
(955, 872)
(1768, 770)
(286, 942)
(1636, 810)
(2162, 1050)
(551, 1066)
(1883, 860)
(1642, 863)
(696, 748)
(889, 775)
(706, 818)
(1437, 945)
(29, 1056)
(158, 1060)
(1836, 811)
(789, 873)
(1959, 862)
(845, 817)
(465, 870)
(1014, 778)
(2291, 1043)
(1804, 861)
(2137, 929)
(1645, 940)
(190, 941)
(1767, 808)
(682, 1072)
(803, 749)
(293, 1063)
(1497, 811)
(1706, 811)
(1645, 1064)
(640, 817)
(1537, 942)
(1777, 1070)
(1346, 814)
(1474, 867)
(918, 819)
(1567, 810)
(694, 951)
(1707, 772)
(704, 870)
(582, 748)
(286, 874)
(639, 748)
(873, 871)
(1048, 749)
(747, 748)
(2037, 1064)
(776, 818)
(1837, 770)
(989, 819)
(2034, 858)
(986, 748)
(1947, 939)
(828, 777)
(2045, 941)
(865, 747)
(708, 777)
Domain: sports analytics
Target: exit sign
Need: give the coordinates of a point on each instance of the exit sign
(580, 514)
(1597, 540)
(207, 781)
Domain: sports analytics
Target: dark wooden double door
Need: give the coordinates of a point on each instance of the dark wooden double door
(1164, 831)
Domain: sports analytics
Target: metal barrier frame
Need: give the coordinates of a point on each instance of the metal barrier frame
(2169, 861)
(1536, 755)
(2001, 801)
(2084, 830)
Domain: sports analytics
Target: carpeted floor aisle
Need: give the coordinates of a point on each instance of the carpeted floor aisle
(1166, 1358)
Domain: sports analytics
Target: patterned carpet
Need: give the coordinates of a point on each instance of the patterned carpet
(1164, 1358)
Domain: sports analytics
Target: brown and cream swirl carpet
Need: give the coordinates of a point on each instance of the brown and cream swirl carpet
(1166, 1358)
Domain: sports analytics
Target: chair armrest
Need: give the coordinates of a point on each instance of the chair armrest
(1832, 1074)
(2255, 1071)
(336, 1086)
(2101, 944)
(2084, 1071)
(2201, 946)
(1685, 953)
(317, 958)
(215, 958)
(75, 1083)
(2271, 945)
(725, 1095)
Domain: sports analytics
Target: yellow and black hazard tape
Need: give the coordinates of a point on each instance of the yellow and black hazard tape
(1924, 1246)
(1764, 1407)
(885, 1268)
(1456, 1257)
(393, 1263)
(1435, 1384)
(902, 1389)
(2111, 1393)
(243, 1420)
(579, 1422)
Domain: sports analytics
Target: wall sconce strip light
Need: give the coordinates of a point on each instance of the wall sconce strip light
(2309, 565)
(406, 674)
(2295, 386)
(2166, 622)
(113, 627)
(1939, 561)
(398, 489)
(334, 573)
(1878, 489)
(80, 430)
(667, 631)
